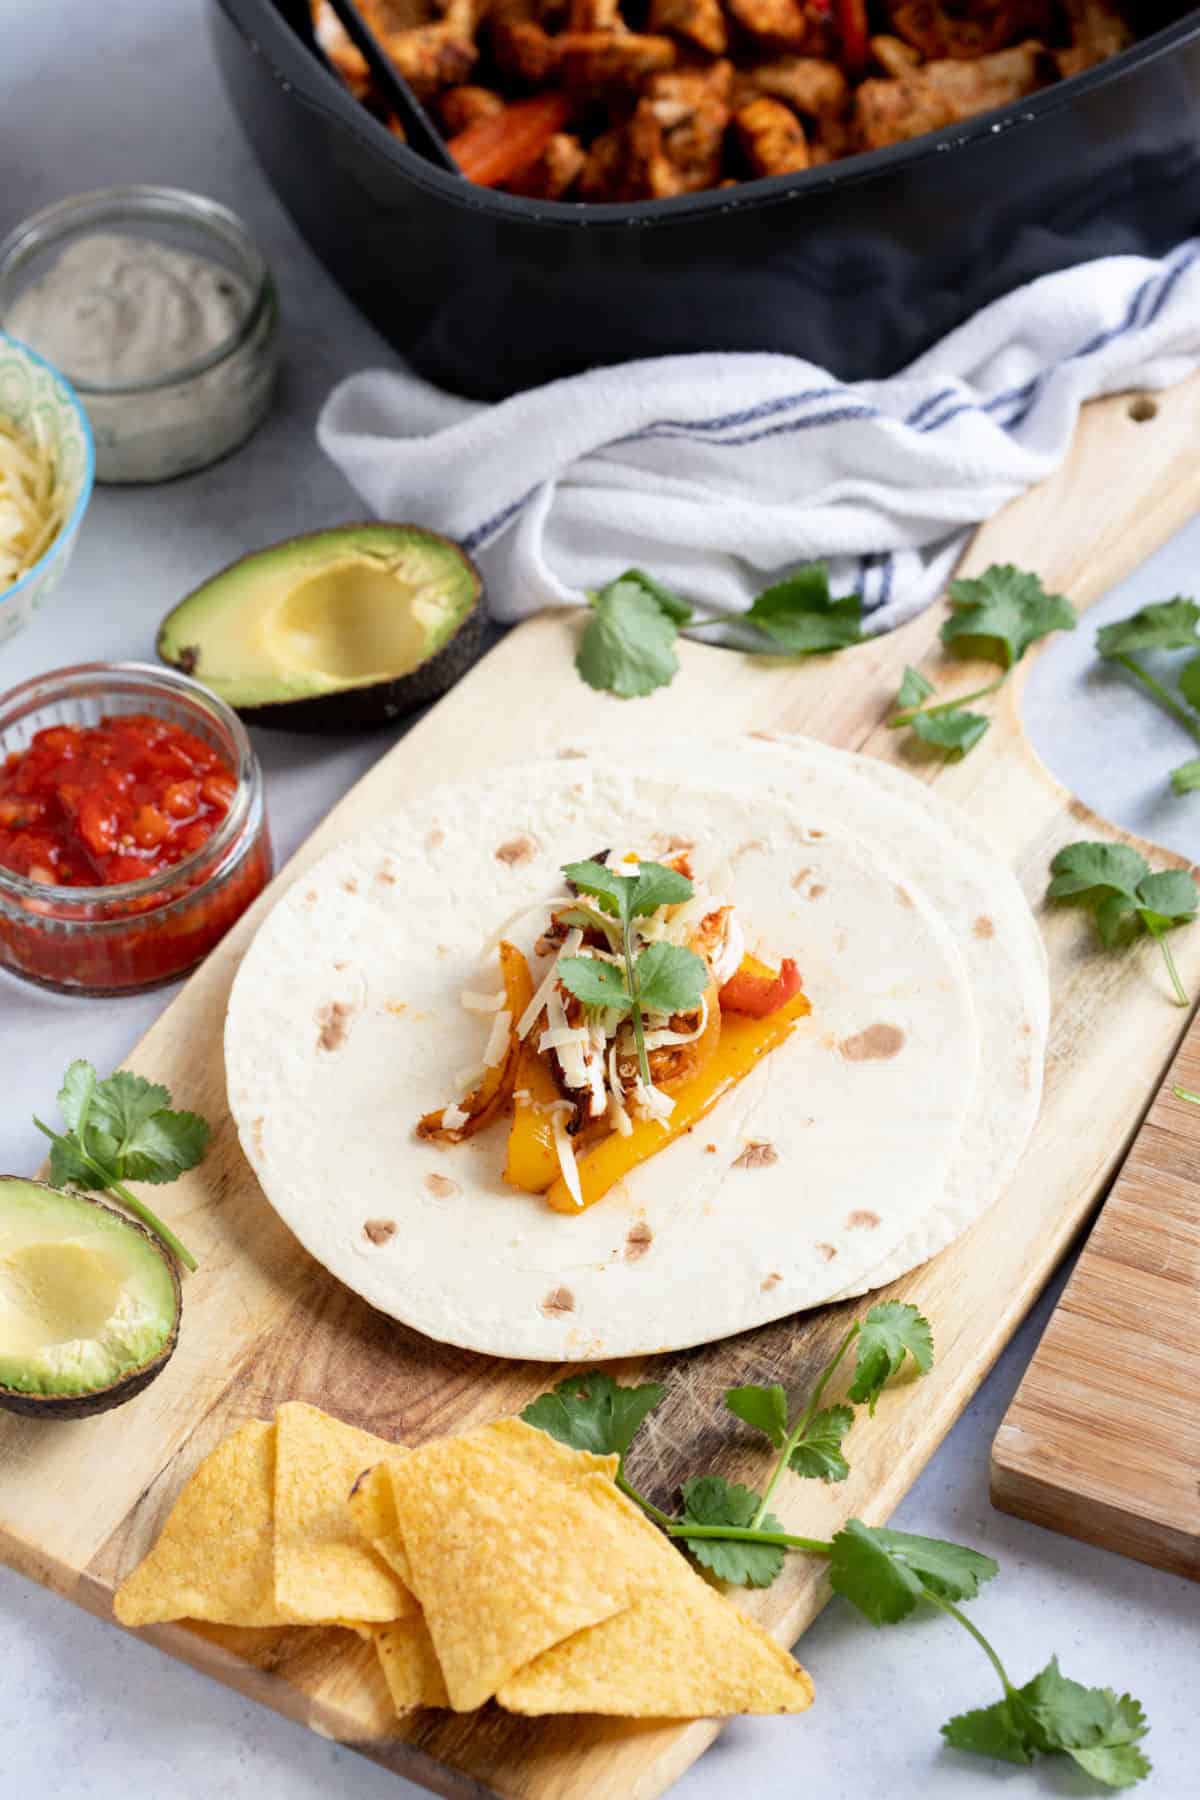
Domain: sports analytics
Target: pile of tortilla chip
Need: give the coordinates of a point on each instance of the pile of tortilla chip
(499, 1565)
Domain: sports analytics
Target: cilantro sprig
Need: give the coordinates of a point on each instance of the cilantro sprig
(1163, 625)
(996, 615)
(663, 978)
(120, 1130)
(627, 648)
(1116, 882)
(885, 1574)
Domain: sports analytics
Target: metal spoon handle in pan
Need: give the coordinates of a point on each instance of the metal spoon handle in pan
(422, 133)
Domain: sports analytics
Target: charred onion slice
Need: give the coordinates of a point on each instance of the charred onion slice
(486, 1101)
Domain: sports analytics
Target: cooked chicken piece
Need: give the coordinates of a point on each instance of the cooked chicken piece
(676, 95)
(944, 93)
(692, 107)
(555, 171)
(700, 22)
(1097, 31)
(459, 107)
(893, 55)
(649, 173)
(772, 137)
(961, 31)
(603, 59)
(817, 89)
(595, 15)
(521, 45)
(330, 35)
(603, 173)
(782, 23)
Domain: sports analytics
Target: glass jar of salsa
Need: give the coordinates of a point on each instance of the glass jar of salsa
(132, 827)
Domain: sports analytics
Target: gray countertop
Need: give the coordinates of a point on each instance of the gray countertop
(88, 1710)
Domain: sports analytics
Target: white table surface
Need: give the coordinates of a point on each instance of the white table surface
(127, 92)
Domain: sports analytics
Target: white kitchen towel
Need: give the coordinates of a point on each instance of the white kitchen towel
(721, 472)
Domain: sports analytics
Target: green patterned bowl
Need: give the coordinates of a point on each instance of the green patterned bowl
(31, 389)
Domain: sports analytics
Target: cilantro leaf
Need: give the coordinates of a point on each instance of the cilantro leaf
(1052, 1713)
(955, 731)
(68, 1167)
(1189, 681)
(670, 979)
(1116, 881)
(1003, 611)
(990, 1731)
(819, 1453)
(593, 1412)
(884, 1573)
(801, 614)
(914, 689)
(1186, 778)
(75, 1094)
(763, 1408)
(1165, 625)
(667, 599)
(594, 982)
(626, 648)
(1079, 870)
(595, 879)
(657, 885)
(891, 1331)
(709, 1500)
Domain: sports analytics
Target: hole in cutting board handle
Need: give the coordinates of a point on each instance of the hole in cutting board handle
(1142, 409)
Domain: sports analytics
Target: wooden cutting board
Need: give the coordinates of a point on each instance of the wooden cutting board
(80, 1503)
(1102, 1439)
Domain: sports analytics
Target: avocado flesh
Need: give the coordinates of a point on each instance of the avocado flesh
(89, 1301)
(357, 608)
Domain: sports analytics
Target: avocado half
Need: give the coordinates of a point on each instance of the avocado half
(333, 631)
(89, 1303)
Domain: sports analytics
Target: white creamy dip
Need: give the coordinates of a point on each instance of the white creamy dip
(116, 309)
(116, 312)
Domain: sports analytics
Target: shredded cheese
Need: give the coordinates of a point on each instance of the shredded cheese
(565, 1151)
(497, 1044)
(562, 1036)
(32, 502)
(482, 1003)
(653, 1102)
(541, 998)
(454, 1118)
(618, 1117)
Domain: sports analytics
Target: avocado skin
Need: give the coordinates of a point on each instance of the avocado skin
(363, 708)
(116, 1393)
(371, 708)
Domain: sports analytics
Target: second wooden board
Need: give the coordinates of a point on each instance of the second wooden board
(80, 1503)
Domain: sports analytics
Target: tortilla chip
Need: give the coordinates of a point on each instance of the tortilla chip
(680, 1651)
(373, 1510)
(324, 1571)
(410, 1664)
(213, 1557)
(540, 1450)
(505, 1562)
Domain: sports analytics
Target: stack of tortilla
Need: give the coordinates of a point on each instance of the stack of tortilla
(890, 1119)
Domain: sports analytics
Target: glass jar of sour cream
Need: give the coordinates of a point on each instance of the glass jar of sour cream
(160, 310)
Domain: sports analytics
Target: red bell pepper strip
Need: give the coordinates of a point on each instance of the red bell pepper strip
(760, 995)
(503, 145)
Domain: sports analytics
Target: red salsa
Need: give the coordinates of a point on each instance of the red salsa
(91, 806)
(129, 799)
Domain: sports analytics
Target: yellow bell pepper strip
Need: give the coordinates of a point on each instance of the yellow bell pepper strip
(486, 1101)
(532, 1159)
(744, 1041)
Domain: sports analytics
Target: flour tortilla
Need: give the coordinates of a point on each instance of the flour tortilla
(345, 1026)
(977, 895)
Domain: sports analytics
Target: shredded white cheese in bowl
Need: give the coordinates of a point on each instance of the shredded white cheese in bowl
(47, 464)
(32, 501)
